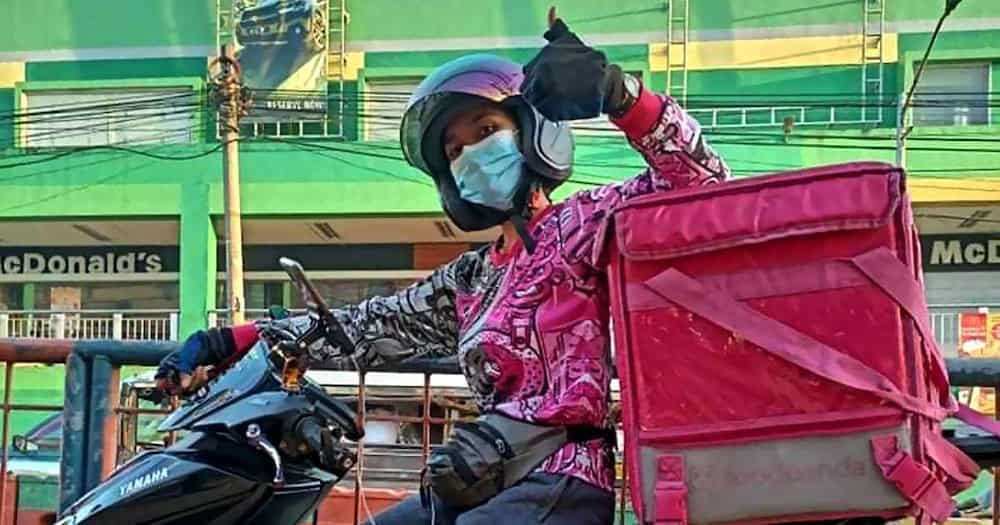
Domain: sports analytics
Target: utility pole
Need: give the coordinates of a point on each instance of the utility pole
(229, 96)
(902, 127)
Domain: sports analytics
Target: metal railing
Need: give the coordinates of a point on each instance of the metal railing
(384, 473)
(943, 323)
(157, 325)
(95, 402)
(945, 328)
(53, 352)
(220, 317)
(775, 116)
(163, 325)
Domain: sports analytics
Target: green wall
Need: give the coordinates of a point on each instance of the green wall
(382, 64)
(932, 9)
(725, 14)
(730, 14)
(115, 69)
(92, 183)
(42, 25)
(436, 19)
(950, 40)
(284, 180)
(198, 257)
(433, 19)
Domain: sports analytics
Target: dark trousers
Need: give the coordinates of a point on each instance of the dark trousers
(540, 498)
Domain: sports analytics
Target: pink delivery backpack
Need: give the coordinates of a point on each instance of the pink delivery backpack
(774, 353)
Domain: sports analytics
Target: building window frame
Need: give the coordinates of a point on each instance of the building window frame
(22, 91)
(411, 75)
(389, 74)
(910, 61)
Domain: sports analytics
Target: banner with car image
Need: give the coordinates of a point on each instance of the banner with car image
(282, 47)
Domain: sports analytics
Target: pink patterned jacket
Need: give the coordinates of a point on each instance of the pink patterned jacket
(531, 330)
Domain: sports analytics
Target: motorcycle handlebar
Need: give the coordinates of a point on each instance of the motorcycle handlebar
(327, 325)
(310, 431)
(329, 456)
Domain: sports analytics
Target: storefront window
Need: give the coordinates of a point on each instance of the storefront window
(263, 295)
(259, 295)
(119, 296)
(339, 292)
(11, 297)
(344, 292)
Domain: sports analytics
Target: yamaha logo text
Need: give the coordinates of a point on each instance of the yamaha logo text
(147, 480)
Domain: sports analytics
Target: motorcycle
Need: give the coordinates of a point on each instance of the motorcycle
(264, 444)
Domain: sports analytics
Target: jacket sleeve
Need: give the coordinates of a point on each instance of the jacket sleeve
(419, 320)
(676, 154)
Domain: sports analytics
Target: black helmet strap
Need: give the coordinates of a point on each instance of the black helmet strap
(521, 226)
(519, 213)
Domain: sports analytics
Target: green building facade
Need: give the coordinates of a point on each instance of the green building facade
(137, 229)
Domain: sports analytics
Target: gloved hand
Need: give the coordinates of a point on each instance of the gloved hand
(205, 351)
(568, 80)
(185, 369)
(334, 344)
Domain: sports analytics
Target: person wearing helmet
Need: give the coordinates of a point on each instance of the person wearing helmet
(528, 315)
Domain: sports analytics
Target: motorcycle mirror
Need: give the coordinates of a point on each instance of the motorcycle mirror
(330, 328)
(309, 293)
(23, 444)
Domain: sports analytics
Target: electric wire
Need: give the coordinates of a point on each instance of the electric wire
(174, 104)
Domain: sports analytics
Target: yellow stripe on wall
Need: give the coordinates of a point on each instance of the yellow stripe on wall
(770, 52)
(353, 61)
(941, 191)
(11, 73)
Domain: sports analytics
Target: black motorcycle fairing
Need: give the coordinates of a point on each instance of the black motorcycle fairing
(162, 488)
(240, 459)
(250, 390)
(333, 410)
(262, 405)
(245, 377)
(290, 505)
(204, 479)
(263, 447)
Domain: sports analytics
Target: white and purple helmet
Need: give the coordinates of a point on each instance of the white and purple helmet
(547, 146)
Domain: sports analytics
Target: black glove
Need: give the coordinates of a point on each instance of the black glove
(327, 340)
(568, 80)
(202, 348)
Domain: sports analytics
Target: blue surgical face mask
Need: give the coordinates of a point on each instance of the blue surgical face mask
(488, 171)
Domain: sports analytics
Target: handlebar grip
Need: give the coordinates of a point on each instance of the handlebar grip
(336, 336)
(311, 432)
